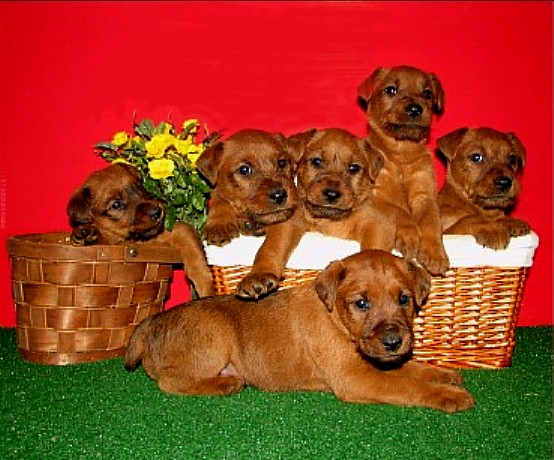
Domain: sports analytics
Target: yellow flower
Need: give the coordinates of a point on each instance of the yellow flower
(191, 125)
(160, 169)
(156, 147)
(120, 138)
(121, 160)
(183, 145)
(193, 157)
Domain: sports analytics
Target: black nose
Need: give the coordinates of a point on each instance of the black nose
(414, 110)
(391, 341)
(279, 196)
(331, 195)
(503, 183)
(155, 213)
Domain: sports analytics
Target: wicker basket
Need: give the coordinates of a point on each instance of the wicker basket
(470, 316)
(80, 304)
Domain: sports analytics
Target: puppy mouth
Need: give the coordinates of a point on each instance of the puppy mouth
(144, 234)
(326, 211)
(495, 201)
(408, 130)
(272, 217)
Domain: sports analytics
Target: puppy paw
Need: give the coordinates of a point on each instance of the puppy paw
(220, 234)
(433, 257)
(407, 240)
(255, 285)
(517, 227)
(494, 237)
(85, 235)
(450, 399)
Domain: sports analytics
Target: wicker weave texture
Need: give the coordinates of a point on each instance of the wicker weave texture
(78, 306)
(468, 320)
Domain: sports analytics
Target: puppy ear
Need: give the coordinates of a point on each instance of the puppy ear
(422, 282)
(365, 89)
(449, 143)
(208, 162)
(296, 144)
(519, 150)
(438, 95)
(327, 281)
(79, 210)
(375, 158)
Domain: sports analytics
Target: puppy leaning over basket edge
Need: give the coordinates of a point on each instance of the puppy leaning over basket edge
(112, 207)
(348, 332)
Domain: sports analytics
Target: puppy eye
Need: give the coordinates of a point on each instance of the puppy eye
(118, 204)
(391, 90)
(512, 159)
(245, 170)
(282, 163)
(403, 299)
(362, 304)
(428, 94)
(317, 162)
(477, 157)
(354, 168)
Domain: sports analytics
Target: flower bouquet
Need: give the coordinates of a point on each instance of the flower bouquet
(166, 157)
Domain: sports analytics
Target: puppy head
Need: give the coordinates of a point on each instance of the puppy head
(374, 295)
(401, 102)
(484, 164)
(112, 206)
(254, 172)
(336, 173)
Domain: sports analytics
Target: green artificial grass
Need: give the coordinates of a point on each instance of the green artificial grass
(99, 410)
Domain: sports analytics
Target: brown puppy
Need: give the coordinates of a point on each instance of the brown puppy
(252, 175)
(112, 207)
(482, 184)
(338, 334)
(401, 102)
(335, 178)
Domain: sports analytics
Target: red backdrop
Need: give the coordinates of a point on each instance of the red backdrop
(73, 73)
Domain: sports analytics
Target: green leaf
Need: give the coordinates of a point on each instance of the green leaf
(145, 128)
(106, 146)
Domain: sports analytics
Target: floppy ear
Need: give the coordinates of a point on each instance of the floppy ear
(296, 144)
(519, 150)
(422, 282)
(208, 162)
(375, 158)
(449, 143)
(365, 89)
(438, 95)
(79, 210)
(327, 282)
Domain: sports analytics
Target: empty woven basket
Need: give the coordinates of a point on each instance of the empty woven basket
(470, 316)
(78, 304)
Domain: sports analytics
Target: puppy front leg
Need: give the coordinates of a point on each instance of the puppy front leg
(183, 237)
(222, 224)
(423, 203)
(269, 263)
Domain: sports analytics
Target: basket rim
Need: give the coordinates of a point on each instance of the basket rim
(58, 246)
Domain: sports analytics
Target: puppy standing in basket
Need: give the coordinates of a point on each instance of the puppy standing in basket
(252, 174)
(401, 102)
(348, 332)
(482, 184)
(335, 178)
(112, 207)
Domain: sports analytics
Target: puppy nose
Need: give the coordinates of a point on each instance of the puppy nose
(155, 213)
(391, 341)
(278, 196)
(331, 195)
(503, 183)
(414, 110)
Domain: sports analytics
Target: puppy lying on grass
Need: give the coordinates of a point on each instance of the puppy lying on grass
(348, 332)
(112, 207)
(483, 166)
